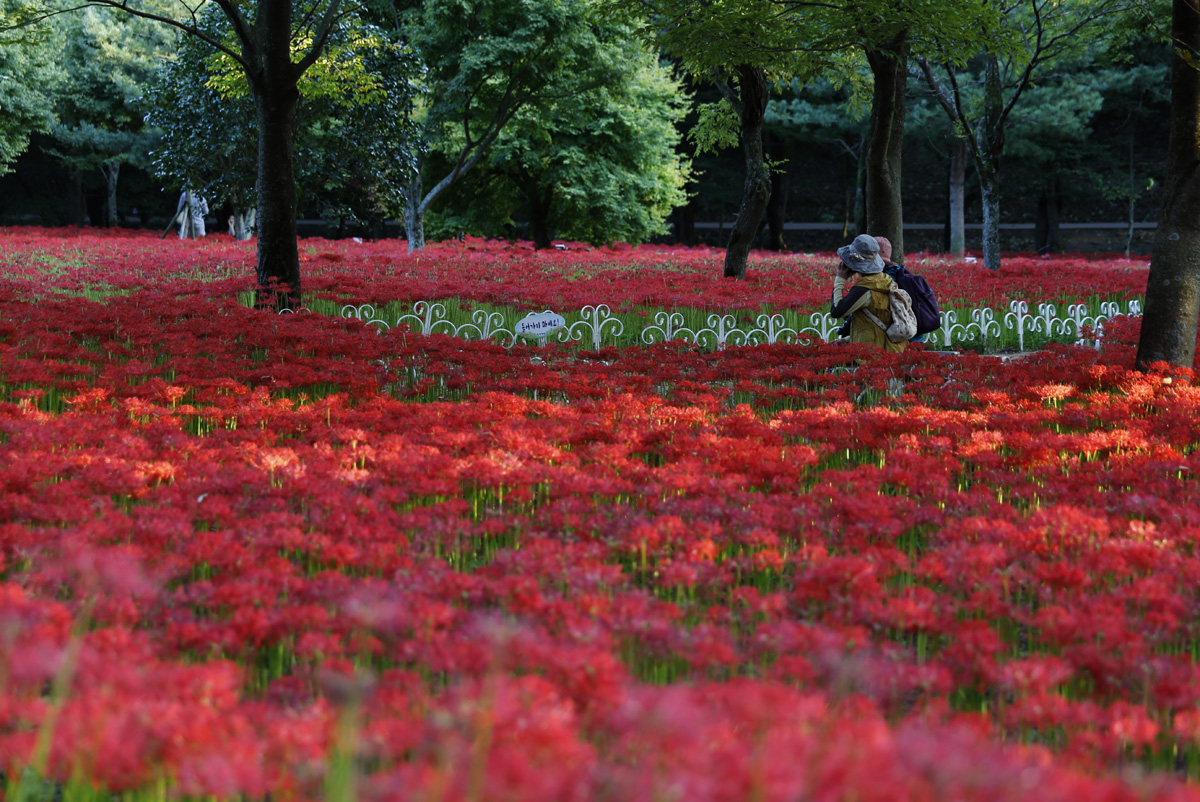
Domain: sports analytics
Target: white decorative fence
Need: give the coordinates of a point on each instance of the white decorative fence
(597, 326)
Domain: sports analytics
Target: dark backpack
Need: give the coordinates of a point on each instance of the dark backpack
(924, 303)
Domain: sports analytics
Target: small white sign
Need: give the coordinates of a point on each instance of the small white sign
(540, 324)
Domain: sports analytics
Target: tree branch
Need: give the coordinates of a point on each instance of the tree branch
(319, 38)
(191, 30)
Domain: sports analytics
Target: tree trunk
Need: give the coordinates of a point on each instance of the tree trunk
(958, 191)
(539, 217)
(1173, 287)
(76, 205)
(275, 97)
(777, 205)
(990, 190)
(414, 218)
(775, 213)
(111, 171)
(1046, 235)
(278, 253)
(1133, 188)
(850, 184)
(990, 140)
(685, 223)
(860, 189)
(884, 213)
(752, 85)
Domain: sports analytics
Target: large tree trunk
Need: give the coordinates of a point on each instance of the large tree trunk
(278, 253)
(752, 86)
(275, 98)
(958, 192)
(885, 217)
(111, 172)
(1173, 287)
(990, 142)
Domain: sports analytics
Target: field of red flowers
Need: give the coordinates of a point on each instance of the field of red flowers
(247, 556)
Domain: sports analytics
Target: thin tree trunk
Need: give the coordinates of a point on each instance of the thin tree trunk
(990, 145)
(76, 205)
(850, 182)
(958, 191)
(777, 205)
(1047, 238)
(990, 191)
(860, 189)
(685, 223)
(1133, 191)
(111, 172)
(414, 218)
(884, 212)
(539, 217)
(1173, 287)
(752, 84)
(775, 212)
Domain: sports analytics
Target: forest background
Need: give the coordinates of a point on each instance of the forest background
(108, 116)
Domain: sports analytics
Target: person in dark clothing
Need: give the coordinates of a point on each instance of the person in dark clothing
(894, 270)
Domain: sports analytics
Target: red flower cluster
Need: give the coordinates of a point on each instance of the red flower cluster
(251, 555)
(509, 274)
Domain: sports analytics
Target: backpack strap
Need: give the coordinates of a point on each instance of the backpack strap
(873, 319)
(871, 315)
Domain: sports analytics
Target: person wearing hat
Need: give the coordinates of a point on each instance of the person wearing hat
(870, 292)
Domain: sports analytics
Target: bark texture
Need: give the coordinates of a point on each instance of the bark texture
(275, 97)
(111, 171)
(884, 212)
(1173, 287)
(958, 193)
(752, 95)
(990, 146)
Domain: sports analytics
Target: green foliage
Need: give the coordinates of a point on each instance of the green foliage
(717, 127)
(486, 58)
(208, 142)
(110, 57)
(30, 76)
(592, 157)
(341, 74)
(353, 133)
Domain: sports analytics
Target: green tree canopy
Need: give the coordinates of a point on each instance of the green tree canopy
(30, 75)
(352, 123)
(593, 159)
(110, 57)
(484, 61)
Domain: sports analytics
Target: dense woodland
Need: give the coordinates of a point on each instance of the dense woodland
(116, 127)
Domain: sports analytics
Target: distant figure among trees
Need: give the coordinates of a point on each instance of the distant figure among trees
(190, 214)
